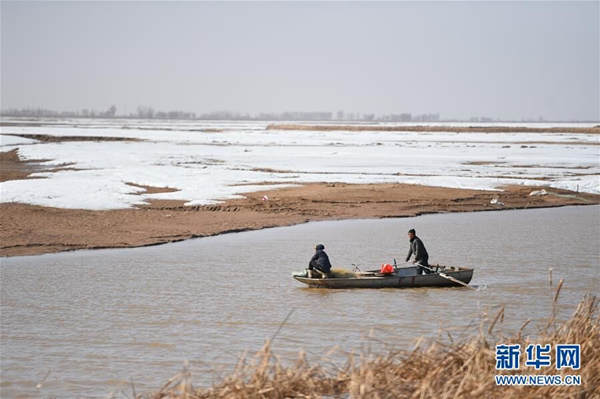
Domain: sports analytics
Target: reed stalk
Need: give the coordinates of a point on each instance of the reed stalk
(457, 369)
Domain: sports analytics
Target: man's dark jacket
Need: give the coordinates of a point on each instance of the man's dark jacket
(322, 260)
(418, 248)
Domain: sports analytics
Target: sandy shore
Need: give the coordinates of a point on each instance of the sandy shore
(30, 230)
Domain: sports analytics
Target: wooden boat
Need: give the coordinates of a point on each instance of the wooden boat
(405, 277)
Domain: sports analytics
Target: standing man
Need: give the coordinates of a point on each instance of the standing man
(418, 249)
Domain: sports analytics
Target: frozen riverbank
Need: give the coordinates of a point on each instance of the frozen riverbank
(211, 162)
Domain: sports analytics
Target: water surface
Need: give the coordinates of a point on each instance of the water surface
(97, 319)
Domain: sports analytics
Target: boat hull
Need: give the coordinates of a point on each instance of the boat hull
(402, 279)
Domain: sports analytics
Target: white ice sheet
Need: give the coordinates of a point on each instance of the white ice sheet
(211, 166)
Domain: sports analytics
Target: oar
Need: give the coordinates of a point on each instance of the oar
(448, 277)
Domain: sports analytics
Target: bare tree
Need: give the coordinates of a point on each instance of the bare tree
(145, 112)
(111, 111)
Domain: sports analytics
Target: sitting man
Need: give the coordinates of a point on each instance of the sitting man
(319, 262)
(418, 249)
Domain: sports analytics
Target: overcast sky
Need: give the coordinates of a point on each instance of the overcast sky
(508, 60)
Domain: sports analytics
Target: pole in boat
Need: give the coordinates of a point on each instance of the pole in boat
(448, 277)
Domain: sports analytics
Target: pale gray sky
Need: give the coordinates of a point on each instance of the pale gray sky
(508, 60)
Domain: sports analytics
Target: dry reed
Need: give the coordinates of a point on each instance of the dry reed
(441, 128)
(440, 370)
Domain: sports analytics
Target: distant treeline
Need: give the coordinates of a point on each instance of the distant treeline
(145, 112)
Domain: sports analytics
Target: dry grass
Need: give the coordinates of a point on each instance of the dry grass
(456, 129)
(438, 370)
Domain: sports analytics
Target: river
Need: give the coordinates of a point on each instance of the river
(97, 320)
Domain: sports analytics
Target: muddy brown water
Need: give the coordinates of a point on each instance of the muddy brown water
(98, 319)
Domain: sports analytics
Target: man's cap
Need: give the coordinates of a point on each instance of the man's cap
(320, 247)
(412, 231)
